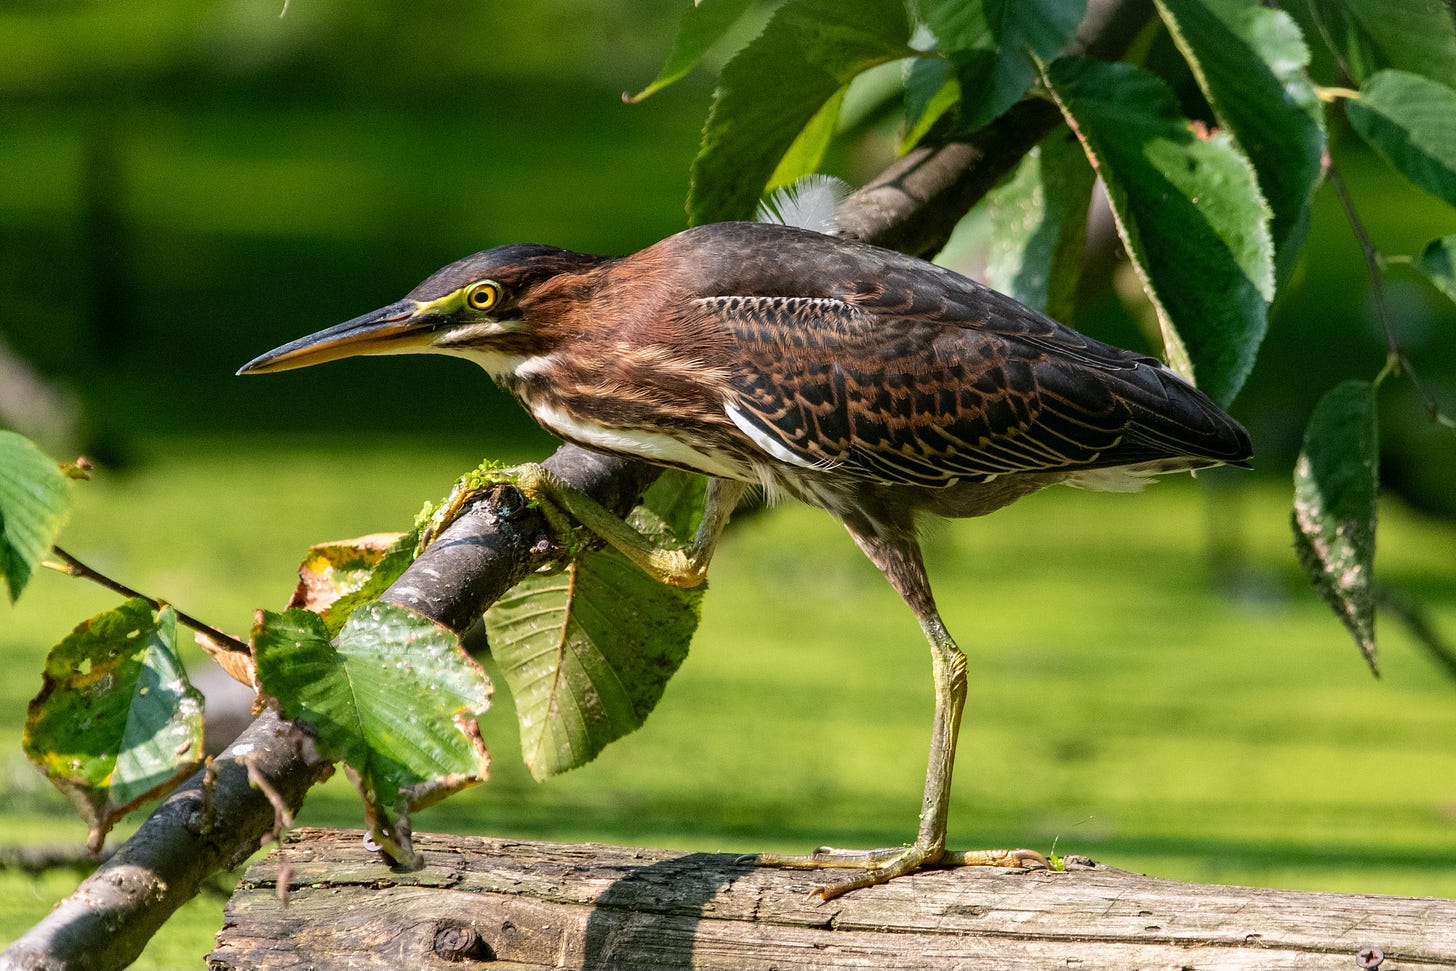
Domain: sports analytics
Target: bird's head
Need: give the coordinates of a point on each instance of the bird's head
(484, 307)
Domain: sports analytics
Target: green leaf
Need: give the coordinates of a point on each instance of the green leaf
(702, 26)
(1188, 210)
(1039, 225)
(393, 696)
(116, 721)
(1411, 122)
(1250, 62)
(587, 653)
(994, 45)
(1335, 483)
(775, 86)
(804, 156)
(34, 502)
(1369, 35)
(1438, 264)
(930, 91)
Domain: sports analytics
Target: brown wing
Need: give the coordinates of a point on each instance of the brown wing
(909, 388)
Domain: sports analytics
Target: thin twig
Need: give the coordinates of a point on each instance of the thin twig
(74, 567)
(1372, 263)
(282, 815)
(1374, 266)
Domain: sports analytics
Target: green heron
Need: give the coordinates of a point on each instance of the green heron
(871, 384)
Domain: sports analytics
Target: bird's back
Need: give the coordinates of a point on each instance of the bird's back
(858, 361)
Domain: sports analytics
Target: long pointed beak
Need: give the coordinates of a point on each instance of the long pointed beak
(399, 327)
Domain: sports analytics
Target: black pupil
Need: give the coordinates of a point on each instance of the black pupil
(483, 298)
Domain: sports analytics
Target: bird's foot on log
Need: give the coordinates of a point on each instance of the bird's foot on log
(884, 865)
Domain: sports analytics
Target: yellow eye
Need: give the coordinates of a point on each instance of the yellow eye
(482, 295)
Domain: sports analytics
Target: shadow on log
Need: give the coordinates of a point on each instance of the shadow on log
(518, 904)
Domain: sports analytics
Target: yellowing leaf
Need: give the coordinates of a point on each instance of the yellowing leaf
(336, 577)
(116, 721)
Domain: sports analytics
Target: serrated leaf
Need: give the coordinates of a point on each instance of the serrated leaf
(704, 24)
(1437, 263)
(116, 721)
(1039, 227)
(34, 502)
(805, 154)
(1336, 479)
(393, 696)
(1250, 62)
(1411, 122)
(336, 577)
(1189, 212)
(931, 90)
(1369, 35)
(775, 86)
(587, 653)
(994, 46)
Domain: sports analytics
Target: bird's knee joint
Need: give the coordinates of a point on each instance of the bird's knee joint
(684, 572)
(532, 479)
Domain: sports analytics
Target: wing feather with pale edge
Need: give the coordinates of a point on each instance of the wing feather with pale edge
(967, 384)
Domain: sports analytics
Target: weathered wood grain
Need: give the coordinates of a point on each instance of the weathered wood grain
(516, 904)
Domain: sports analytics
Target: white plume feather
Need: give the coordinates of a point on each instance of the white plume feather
(809, 203)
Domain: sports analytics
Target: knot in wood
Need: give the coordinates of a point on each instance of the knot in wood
(460, 942)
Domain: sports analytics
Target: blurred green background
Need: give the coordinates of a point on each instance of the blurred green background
(185, 185)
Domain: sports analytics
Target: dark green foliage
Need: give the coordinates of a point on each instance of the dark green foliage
(776, 85)
(1189, 211)
(1251, 64)
(1335, 484)
(1411, 122)
(994, 47)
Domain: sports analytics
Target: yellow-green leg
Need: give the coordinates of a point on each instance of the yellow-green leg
(882, 865)
(886, 534)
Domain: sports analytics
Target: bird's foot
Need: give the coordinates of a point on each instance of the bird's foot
(525, 491)
(884, 865)
(434, 520)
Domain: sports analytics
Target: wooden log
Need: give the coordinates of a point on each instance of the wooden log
(323, 901)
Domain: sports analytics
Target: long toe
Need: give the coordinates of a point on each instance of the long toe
(884, 865)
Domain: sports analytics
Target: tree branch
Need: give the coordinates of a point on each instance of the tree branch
(914, 204)
(116, 910)
(218, 818)
(208, 826)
